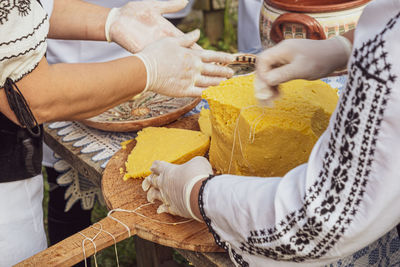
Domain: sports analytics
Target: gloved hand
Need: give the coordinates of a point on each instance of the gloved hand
(139, 23)
(298, 59)
(172, 184)
(173, 69)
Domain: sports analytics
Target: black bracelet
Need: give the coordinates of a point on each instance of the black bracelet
(21, 108)
(200, 199)
(238, 258)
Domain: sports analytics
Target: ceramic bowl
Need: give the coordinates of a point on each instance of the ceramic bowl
(311, 19)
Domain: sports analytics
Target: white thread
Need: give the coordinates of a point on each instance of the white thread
(234, 136)
(233, 143)
(252, 136)
(129, 231)
(115, 241)
(99, 230)
(258, 120)
(241, 150)
(84, 251)
(115, 219)
(144, 216)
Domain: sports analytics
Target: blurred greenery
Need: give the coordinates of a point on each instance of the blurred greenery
(126, 248)
(106, 257)
(228, 41)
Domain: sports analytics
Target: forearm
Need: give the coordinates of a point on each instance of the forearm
(77, 20)
(78, 91)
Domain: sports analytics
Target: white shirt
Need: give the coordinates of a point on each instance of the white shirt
(347, 195)
(23, 30)
(248, 26)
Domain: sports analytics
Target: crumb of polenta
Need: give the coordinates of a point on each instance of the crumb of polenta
(123, 144)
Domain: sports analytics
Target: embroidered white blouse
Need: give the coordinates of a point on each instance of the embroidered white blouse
(23, 29)
(348, 194)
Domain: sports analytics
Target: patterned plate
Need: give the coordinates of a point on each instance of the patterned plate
(244, 64)
(151, 109)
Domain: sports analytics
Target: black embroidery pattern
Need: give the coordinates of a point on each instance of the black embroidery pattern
(5, 8)
(41, 23)
(346, 165)
(23, 7)
(239, 259)
(26, 51)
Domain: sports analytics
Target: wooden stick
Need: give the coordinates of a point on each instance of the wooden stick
(70, 251)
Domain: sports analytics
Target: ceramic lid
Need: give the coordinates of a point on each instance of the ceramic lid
(315, 6)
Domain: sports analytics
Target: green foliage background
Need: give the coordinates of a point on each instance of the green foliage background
(228, 42)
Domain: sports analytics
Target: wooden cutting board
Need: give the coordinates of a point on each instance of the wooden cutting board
(128, 195)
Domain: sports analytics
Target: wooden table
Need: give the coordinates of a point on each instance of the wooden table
(148, 253)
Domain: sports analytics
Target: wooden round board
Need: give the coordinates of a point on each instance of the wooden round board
(149, 109)
(130, 195)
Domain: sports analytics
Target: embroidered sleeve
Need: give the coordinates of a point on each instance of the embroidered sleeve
(23, 30)
(345, 197)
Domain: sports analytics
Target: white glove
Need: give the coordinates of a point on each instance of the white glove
(172, 184)
(298, 59)
(139, 23)
(173, 69)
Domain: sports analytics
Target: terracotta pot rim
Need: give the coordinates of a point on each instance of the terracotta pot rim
(315, 8)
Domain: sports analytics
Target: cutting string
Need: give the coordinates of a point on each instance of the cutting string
(115, 241)
(94, 245)
(100, 229)
(252, 134)
(142, 215)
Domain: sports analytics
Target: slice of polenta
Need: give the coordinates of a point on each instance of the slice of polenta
(167, 144)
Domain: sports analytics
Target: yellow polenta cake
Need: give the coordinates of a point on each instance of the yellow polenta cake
(204, 121)
(166, 144)
(247, 139)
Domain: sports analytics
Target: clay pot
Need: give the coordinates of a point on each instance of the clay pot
(311, 19)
